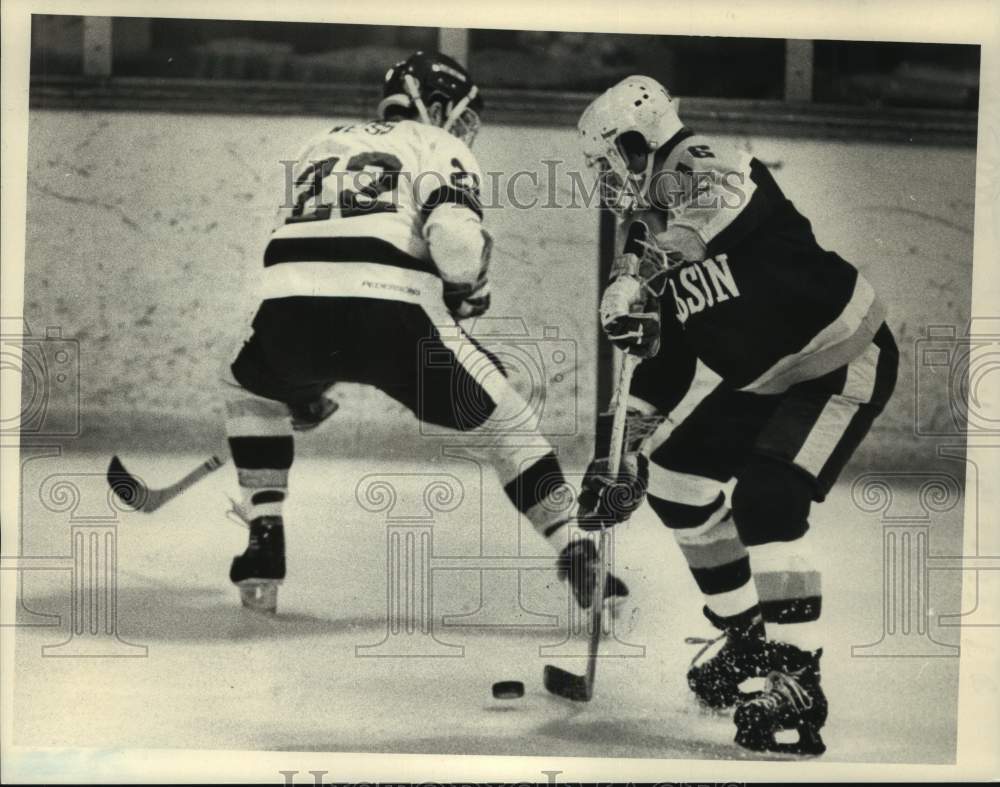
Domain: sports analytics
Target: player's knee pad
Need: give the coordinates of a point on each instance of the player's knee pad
(788, 581)
(771, 501)
(682, 500)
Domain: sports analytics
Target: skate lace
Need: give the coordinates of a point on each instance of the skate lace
(705, 642)
(784, 687)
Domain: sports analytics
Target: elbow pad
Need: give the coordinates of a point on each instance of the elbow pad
(457, 243)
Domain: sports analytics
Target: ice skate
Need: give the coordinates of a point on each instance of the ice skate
(792, 700)
(261, 568)
(577, 564)
(725, 662)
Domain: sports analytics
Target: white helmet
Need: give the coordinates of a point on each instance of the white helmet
(638, 104)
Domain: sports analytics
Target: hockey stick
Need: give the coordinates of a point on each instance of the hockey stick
(139, 497)
(580, 688)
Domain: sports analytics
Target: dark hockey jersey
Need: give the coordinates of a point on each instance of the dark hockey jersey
(757, 299)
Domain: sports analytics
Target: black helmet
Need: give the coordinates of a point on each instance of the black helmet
(426, 79)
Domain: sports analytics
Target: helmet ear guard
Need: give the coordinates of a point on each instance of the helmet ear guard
(632, 143)
(410, 99)
(394, 100)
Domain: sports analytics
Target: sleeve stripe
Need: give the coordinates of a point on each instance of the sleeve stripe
(449, 195)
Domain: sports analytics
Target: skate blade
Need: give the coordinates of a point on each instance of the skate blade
(259, 595)
(809, 743)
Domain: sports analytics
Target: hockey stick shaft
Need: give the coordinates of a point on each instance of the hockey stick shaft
(558, 681)
(210, 465)
(618, 424)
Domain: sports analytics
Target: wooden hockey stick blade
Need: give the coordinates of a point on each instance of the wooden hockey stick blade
(139, 497)
(127, 488)
(565, 684)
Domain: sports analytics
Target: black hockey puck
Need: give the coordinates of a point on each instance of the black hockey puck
(508, 690)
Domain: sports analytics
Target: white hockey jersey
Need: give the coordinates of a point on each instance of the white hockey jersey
(373, 210)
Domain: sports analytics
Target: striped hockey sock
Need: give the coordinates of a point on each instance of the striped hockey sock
(541, 493)
(789, 586)
(261, 443)
(720, 565)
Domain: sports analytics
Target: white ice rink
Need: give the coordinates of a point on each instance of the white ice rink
(218, 677)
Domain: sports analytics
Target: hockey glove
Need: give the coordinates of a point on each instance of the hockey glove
(630, 316)
(606, 501)
(308, 415)
(467, 300)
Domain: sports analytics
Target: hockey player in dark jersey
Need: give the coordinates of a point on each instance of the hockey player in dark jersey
(371, 263)
(731, 275)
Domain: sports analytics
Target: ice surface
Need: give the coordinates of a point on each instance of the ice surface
(219, 677)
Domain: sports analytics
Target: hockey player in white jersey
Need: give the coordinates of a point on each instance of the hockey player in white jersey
(377, 254)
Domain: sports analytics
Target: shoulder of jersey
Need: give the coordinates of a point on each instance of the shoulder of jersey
(316, 140)
(440, 140)
(702, 152)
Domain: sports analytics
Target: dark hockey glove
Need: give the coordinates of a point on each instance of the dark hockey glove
(606, 501)
(306, 416)
(467, 300)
